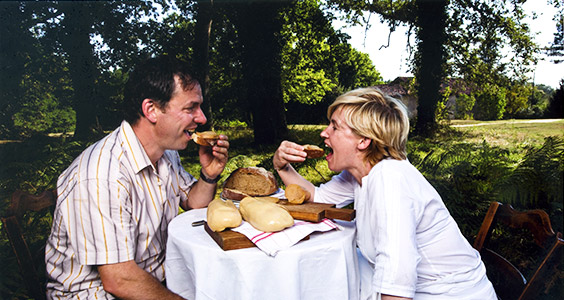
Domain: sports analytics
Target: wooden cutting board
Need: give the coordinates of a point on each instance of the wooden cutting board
(232, 240)
(313, 212)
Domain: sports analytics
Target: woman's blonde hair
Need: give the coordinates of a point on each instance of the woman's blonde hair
(374, 115)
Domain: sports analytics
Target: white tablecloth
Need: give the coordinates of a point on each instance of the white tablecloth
(323, 267)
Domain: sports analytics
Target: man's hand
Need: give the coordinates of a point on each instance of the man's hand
(126, 280)
(213, 159)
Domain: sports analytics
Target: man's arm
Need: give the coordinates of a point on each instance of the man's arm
(127, 281)
(213, 160)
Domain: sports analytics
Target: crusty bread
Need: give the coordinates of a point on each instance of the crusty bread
(249, 181)
(313, 151)
(205, 138)
(233, 194)
(296, 194)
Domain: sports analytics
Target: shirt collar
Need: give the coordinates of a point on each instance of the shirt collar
(133, 149)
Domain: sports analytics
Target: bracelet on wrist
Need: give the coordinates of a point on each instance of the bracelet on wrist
(209, 180)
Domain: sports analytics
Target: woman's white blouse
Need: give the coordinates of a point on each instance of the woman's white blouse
(407, 235)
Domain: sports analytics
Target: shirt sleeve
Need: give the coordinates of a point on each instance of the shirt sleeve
(339, 190)
(99, 222)
(394, 234)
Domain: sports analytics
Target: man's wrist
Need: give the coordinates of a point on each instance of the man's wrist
(207, 179)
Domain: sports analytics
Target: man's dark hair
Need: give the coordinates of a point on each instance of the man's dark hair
(154, 79)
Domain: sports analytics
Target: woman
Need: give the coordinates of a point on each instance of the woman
(411, 247)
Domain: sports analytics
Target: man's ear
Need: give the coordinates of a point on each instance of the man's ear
(149, 110)
(364, 143)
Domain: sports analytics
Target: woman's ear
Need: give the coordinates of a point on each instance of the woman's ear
(149, 110)
(364, 143)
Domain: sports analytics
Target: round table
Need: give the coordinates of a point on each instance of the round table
(323, 267)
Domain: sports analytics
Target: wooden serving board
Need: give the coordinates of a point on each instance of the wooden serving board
(315, 212)
(312, 212)
(232, 240)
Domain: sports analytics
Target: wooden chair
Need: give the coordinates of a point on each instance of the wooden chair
(21, 203)
(508, 280)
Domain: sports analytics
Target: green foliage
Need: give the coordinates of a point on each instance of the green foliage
(464, 105)
(537, 181)
(442, 110)
(490, 103)
(517, 97)
(43, 116)
(316, 59)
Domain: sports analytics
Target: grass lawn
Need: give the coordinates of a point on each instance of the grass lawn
(510, 133)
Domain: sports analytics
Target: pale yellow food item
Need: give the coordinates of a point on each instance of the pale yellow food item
(264, 215)
(296, 194)
(223, 214)
(205, 138)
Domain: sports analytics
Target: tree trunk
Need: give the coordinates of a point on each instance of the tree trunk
(201, 60)
(77, 26)
(431, 19)
(259, 28)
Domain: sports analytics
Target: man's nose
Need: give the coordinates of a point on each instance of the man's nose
(200, 117)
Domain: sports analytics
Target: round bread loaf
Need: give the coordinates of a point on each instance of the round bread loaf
(296, 194)
(249, 181)
(313, 151)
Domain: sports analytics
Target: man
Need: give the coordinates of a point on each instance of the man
(116, 199)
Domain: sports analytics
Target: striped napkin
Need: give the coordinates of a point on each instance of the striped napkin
(272, 242)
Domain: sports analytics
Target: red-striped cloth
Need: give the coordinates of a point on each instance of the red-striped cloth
(272, 242)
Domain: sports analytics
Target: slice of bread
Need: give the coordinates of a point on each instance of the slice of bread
(313, 151)
(296, 194)
(249, 181)
(205, 138)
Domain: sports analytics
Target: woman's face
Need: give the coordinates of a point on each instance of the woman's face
(343, 143)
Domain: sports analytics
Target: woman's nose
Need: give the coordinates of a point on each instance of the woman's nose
(324, 134)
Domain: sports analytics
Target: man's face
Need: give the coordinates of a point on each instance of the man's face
(180, 117)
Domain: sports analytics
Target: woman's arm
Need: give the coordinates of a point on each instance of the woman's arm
(287, 153)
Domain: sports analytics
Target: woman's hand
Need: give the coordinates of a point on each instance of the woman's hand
(288, 152)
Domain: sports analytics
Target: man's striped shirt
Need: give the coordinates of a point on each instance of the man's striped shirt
(113, 206)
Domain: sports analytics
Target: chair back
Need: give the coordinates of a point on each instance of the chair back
(21, 203)
(508, 280)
